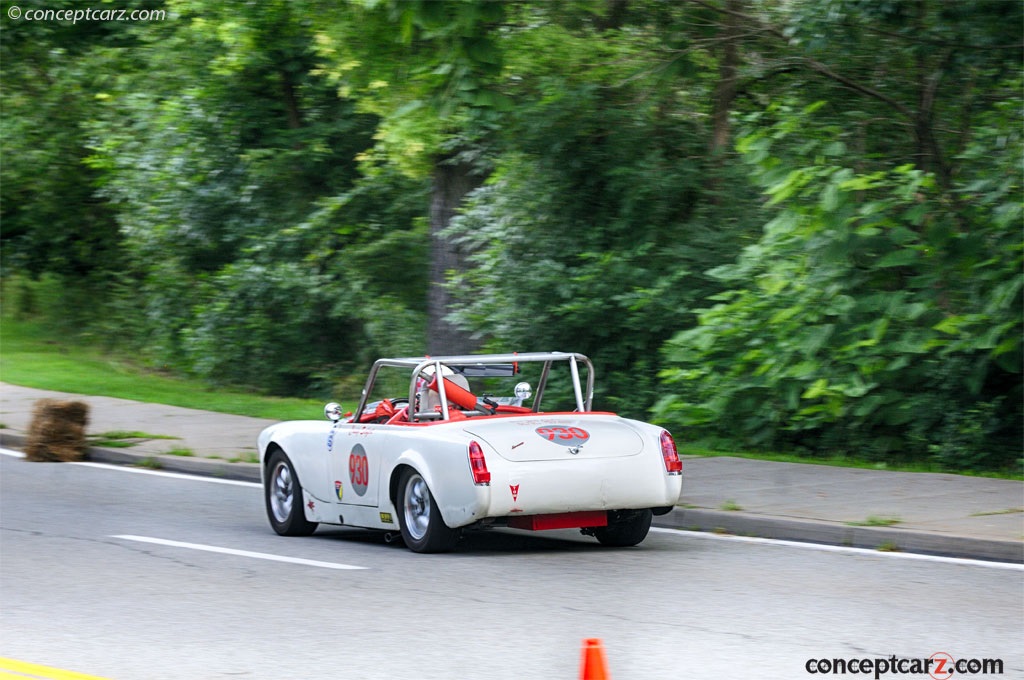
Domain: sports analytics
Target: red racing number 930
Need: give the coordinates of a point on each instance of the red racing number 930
(567, 436)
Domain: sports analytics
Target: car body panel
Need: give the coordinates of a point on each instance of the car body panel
(558, 437)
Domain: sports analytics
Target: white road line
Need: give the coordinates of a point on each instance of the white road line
(820, 547)
(172, 475)
(840, 549)
(143, 471)
(238, 553)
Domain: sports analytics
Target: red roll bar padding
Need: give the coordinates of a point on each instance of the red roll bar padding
(456, 394)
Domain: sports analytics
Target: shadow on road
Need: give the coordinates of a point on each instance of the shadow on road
(489, 541)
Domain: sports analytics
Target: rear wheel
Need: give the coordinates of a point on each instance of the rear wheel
(283, 495)
(423, 528)
(625, 528)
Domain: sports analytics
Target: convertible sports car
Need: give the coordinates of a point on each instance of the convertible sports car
(443, 444)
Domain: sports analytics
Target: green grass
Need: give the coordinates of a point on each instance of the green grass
(110, 443)
(873, 521)
(1007, 511)
(731, 506)
(123, 439)
(30, 357)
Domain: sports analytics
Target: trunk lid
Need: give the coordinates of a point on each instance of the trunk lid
(559, 437)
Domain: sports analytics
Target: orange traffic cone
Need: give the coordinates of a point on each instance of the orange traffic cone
(594, 665)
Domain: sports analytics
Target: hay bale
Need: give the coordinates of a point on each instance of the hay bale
(57, 431)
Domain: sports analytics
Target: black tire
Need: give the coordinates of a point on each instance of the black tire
(423, 528)
(282, 493)
(625, 528)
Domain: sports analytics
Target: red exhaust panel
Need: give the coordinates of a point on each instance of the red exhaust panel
(673, 465)
(562, 520)
(478, 465)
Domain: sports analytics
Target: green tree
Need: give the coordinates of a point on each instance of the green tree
(605, 207)
(260, 198)
(53, 224)
(873, 316)
(428, 70)
(879, 311)
(248, 218)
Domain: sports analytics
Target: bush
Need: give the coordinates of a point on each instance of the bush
(877, 316)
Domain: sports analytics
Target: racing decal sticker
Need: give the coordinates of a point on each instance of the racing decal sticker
(565, 436)
(515, 492)
(311, 505)
(386, 518)
(339, 488)
(359, 469)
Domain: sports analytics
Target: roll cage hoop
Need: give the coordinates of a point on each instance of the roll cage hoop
(424, 368)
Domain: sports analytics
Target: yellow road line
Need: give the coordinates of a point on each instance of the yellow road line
(32, 671)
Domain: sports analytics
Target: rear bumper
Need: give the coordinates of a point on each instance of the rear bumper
(576, 486)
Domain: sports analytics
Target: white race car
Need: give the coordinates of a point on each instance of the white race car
(468, 446)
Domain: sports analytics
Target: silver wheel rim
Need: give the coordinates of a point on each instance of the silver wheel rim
(416, 507)
(282, 492)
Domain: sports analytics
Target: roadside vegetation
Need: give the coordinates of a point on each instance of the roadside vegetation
(775, 225)
(31, 356)
(122, 439)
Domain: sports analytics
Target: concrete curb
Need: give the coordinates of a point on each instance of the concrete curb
(740, 523)
(205, 467)
(832, 533)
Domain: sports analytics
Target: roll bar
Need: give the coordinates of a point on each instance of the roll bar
(427, 368)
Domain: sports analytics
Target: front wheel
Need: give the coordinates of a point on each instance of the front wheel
(283, 495)
(625, 528)
(423, 528)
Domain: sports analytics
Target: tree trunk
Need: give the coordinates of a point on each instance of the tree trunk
(291, 101)
(725, 88)
(616, 15)
(451, 183)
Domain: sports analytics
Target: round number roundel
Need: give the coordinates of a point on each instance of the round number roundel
(566, 436)
(359, 469)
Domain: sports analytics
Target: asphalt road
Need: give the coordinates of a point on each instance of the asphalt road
(133, 576)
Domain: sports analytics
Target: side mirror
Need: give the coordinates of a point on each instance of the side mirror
(332, 412)
(523, 391)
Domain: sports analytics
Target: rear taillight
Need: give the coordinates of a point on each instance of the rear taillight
(673, 465)
(478, 465)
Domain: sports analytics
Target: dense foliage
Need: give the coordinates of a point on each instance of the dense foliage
(876, 315)
(791, 225)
